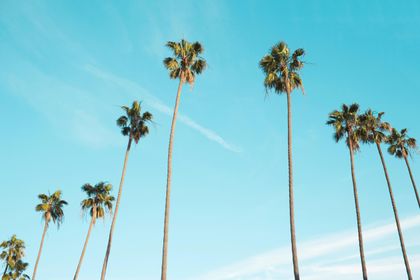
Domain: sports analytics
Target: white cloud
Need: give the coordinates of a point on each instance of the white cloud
(134, 89)
(329, 257)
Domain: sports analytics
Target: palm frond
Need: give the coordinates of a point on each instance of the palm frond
(198, 66)
(171, 63)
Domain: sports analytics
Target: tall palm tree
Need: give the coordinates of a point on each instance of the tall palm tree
(51, 207)
(373, 131)
(346, 124)
(134, 125)
(401, 146)
(99, 202)
(12, 254)
(281, 69)
(184, 65)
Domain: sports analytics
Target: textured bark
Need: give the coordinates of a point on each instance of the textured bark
(291, 195)
(359, 222)
(92, 222)
(412, 180)
(168, 184)
(47, 220)
(117, 206)
(397, 220)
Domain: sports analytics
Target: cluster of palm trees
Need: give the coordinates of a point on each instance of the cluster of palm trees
(281, 68)
(185, 64)
(369, 128)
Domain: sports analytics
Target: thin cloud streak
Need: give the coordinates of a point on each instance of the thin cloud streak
(133, 87)
(271, 265)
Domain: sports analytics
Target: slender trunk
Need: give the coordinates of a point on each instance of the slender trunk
(359, 222)
(92, 222)
(397, 220)
(291, 195)
(168, 184)
(47, 219)
(412, 180)
(5, 270)
(117, 204)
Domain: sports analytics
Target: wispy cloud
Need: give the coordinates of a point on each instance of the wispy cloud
(63, 105)
(135, 89)
(323, 258)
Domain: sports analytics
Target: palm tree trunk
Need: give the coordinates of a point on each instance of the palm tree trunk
(397, 220)
(412, 180)
(291, 195)
(40, 248)
(92, 222)
(359, 222)
(114, 218)
(168, 183)
(5, 270)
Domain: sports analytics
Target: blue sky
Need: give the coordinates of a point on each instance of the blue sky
(66, 67)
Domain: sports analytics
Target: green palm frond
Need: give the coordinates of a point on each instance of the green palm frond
(198, 48)
(198, 66)
(401, 145)
(171, 63)
(122, 121)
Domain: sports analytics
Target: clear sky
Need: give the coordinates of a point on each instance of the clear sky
(66, 67)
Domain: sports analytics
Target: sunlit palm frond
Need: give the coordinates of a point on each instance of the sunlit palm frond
(99, 196)
(281, 69)
(171, 63)
(186, 62)
(346, 125)
(52, 207)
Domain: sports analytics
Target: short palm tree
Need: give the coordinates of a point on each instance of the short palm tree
(281, 69)
(12, 254)
(400, 146)
(346, 124)
(51, 207)
(373, 131)
(99, 202)
(185, 64)
(134, 125)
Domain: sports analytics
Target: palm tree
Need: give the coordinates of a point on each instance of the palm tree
(98, 202)
(51, 207)
(281, 71)
(346, 126)
(185, 64)
(12, 254)
(134, 125)
(401, 146)
(372, 131)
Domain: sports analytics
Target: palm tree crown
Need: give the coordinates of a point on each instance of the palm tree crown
(99, 198)
(52, 207)
(346, 124)
(281, 69)
(186, 62)
(12, 254)
(372, 128)
(400, 144)
(134, 124)
(13, 250)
